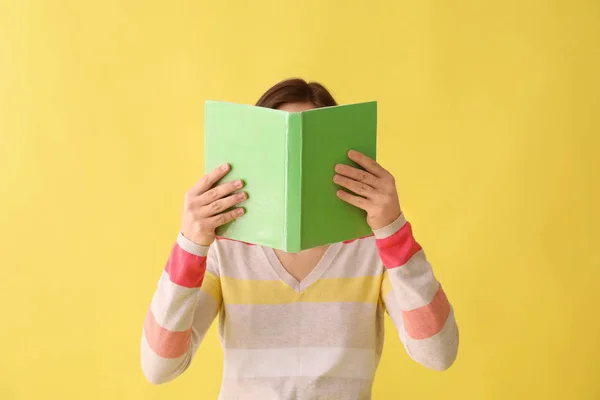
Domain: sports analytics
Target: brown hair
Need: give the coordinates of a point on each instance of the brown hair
(296, 90)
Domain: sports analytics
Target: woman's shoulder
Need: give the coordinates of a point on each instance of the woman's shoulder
(359, 256)
(237, 259)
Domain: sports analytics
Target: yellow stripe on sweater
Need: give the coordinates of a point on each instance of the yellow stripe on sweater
(212, 285)
(365, 289)
(386, 285)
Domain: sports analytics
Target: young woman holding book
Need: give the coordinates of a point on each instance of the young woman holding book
(307, 325)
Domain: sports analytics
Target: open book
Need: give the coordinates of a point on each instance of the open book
(287, 160)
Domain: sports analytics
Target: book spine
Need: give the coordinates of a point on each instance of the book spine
(293, 183)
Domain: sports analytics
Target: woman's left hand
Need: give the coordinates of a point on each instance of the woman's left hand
(374, 188)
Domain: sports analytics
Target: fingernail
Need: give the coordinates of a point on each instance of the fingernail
(238, 184)
(239, 211)
(242, 196)
(224, 167)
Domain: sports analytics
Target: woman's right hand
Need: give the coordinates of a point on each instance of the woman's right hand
(205, 206)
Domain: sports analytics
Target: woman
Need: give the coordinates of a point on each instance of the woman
(307, 325)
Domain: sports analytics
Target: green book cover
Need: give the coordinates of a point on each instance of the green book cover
(287, 160)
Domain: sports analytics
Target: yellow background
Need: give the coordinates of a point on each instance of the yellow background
(489, 119)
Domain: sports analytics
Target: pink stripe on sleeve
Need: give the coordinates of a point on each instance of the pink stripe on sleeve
(185, 269)
(397, 249)
(163, 342)
(428, 320)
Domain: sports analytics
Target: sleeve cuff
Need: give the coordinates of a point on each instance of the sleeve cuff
(192, 247)
(390, 229)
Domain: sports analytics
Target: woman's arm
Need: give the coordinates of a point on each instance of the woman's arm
(412, 295)
(414, 298)
(186, 301)
(188, 296)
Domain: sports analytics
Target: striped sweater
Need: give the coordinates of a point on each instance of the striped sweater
(319, 338)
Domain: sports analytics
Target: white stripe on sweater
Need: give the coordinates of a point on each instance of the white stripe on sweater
(303, 361)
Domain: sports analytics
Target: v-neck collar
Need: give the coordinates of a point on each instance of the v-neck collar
(299, 286)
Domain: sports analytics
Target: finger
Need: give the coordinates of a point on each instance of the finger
(221, 205)
(219, 192)
(357, 187)
(222, 219)
(358, 175)
(208, 180)
(367, 163)
(356, 201)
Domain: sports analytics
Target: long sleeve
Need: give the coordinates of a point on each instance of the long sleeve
(414, 298)
(184, 305)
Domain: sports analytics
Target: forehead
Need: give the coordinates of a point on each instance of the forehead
(297, 107)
